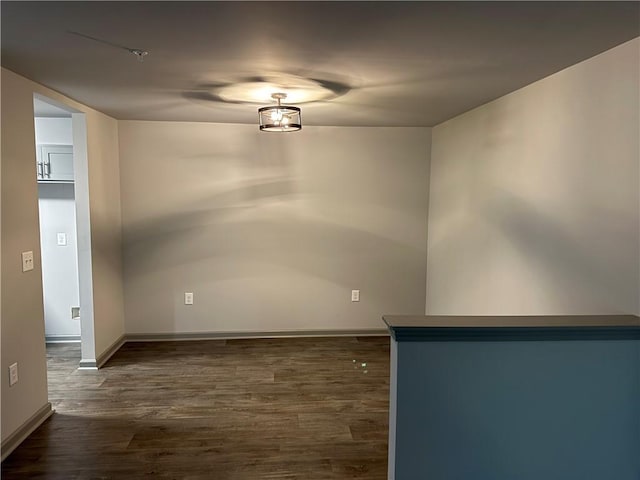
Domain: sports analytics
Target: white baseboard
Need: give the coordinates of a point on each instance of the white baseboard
(26, 429)
(179, 337)
(62, 339)
(104, 356)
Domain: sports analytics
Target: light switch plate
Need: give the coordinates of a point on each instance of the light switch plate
(27, 261)
(188, 298)
(355, 295)
(13, 374)
(62, 239)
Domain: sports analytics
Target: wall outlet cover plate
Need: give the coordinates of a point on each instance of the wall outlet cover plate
(27, 261)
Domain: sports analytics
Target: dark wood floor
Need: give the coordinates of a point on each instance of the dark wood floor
(237, 409)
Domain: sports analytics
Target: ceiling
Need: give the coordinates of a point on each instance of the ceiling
(380, 63)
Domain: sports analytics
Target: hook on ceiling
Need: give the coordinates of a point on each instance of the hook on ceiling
(139, 53)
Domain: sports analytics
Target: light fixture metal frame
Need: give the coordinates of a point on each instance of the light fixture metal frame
(265, 115)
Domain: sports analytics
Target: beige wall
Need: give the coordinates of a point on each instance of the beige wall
(534, 199)
(106, 230)
(22, 313)
(22, 307)
(271, 232)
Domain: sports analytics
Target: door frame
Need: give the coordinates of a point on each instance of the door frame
(83, 230)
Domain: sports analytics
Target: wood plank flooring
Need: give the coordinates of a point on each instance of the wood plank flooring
(294, 408)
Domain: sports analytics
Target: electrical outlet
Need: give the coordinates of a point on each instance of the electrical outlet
(355, 295)
(27, 261)
(13, 374)
(62, 239)
(188, 298)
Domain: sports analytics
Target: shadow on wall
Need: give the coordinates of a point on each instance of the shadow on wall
(251, 201)
(533, 208)
(263, 223)
(271, 231)
(550, 245)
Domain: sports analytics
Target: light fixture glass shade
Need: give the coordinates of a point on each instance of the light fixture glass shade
(280, 118)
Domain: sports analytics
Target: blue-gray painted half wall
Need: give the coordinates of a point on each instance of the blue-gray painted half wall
(527, 410)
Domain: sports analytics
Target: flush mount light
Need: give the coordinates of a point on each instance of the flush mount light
(279, 118)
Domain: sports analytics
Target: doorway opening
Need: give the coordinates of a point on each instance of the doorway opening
(65, 241)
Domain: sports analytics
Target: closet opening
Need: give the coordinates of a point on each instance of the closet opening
(65, 241)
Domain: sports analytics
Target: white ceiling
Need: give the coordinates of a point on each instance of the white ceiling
(388, 63)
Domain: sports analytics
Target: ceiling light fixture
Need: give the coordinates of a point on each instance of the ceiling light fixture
(279, 118)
